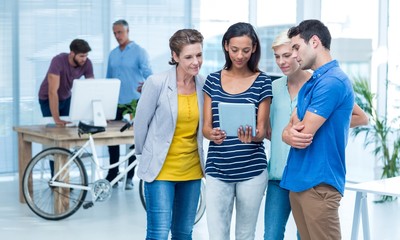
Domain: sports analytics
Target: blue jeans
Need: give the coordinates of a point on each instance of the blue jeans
(63, 107)
(220, 199)
(171, 206)
(277, 211)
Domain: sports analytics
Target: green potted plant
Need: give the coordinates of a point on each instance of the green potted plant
(129, 108)
(380, 133)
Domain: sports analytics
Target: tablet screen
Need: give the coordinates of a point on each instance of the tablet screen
(234, 115)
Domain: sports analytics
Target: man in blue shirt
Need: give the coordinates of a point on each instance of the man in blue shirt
(316, 168)
(129, 63)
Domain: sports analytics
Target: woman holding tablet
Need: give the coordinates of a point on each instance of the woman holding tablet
(236, 166)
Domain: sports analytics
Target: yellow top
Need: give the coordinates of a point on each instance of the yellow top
(182, 162)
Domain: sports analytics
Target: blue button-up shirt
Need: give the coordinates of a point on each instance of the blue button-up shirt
(131, 66)
(329, 94)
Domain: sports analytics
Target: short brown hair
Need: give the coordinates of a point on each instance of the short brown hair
(79, 46)
(181, 38)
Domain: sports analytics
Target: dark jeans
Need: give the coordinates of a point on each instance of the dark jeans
(114, 152)
(63, 107)
(277, 211)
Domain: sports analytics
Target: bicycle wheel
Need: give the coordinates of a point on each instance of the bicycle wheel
(48, 202)
(201, 207)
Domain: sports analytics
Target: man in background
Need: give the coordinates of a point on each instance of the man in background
(55, 90)
(129, 63)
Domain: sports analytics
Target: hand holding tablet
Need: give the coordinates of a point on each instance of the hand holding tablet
(234, 115)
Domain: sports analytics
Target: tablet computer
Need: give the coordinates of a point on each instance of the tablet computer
(234, 115)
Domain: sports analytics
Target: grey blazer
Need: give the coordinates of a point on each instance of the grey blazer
(155, 122)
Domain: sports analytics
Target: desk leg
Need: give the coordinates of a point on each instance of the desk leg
(61, 194)
(360, 208)
(356, 216)
(24, 156)
(365, 217)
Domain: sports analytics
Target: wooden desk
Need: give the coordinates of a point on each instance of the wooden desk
(389, 186)
(65, 137)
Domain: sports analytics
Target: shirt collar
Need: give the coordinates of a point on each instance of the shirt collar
(324, 68)
(129, 45)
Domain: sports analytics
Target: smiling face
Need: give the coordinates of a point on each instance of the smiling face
(190, 59)
(240, 50)
(285, 60)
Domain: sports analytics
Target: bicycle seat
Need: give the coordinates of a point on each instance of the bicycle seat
(85, 128)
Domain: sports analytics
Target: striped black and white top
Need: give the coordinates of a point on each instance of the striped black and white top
(234, 161)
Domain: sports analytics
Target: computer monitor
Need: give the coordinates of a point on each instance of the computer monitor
(94, 101)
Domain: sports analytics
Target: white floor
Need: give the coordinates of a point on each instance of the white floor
(123, 217)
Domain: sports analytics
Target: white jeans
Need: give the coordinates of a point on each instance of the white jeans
(220, 197)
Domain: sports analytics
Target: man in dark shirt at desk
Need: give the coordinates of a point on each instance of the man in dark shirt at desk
(55, 90)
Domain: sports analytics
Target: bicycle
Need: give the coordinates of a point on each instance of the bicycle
(55, 182)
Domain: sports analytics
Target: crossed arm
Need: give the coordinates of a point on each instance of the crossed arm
(299, 134)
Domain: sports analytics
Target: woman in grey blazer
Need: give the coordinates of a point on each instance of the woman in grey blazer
(169, 140)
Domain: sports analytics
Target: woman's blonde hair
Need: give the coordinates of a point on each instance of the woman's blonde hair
(281, 39)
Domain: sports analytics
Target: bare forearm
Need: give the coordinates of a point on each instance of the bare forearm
(207, 132)
(293, 136)
(285, 135)
(358, 117)
(358, 121)
(53, 102)
(260, 134)
(214, 134)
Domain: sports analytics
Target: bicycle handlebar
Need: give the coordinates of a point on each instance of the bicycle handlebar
(126, 126)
